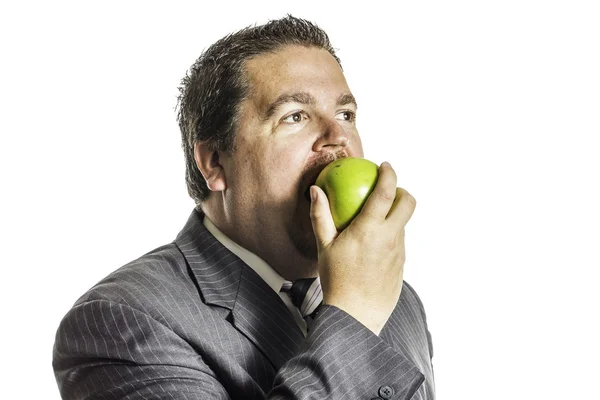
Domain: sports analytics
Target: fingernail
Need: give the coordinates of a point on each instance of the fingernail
(387, 164)
(313, 194)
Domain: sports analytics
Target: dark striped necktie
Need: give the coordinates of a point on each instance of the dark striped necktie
(306, 295)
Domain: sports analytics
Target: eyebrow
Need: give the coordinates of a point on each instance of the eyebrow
(346, 99)
(304, 98)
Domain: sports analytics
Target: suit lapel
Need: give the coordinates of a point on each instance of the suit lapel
(226, 281)
(260, 314)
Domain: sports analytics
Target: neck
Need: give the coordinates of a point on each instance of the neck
(278, 252)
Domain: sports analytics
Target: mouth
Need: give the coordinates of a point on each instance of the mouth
(307, 193)
(310, 177)
(310, 180)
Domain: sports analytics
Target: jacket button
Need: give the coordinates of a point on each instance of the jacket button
(386, 392)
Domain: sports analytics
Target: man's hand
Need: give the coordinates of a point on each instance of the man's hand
(361, 268)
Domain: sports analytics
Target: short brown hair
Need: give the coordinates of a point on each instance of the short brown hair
(215, 85)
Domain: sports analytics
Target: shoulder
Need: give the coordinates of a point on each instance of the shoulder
(410, 304)
(411, 295)
(146, 282)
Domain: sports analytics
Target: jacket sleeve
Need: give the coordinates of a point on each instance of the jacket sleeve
(108, 350)
(342, 359)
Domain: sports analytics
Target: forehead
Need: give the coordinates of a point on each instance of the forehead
(293, 69)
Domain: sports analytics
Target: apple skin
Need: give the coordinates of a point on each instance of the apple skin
(347, 182)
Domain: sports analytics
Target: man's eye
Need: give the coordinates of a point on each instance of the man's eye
(293, 118)
(347, 116)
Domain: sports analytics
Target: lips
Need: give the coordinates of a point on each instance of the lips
(319, 165)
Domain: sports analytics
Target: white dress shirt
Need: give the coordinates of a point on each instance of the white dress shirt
(264, 270)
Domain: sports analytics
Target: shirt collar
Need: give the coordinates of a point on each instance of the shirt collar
(264, 270)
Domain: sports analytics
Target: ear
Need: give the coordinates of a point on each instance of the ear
(207, 162)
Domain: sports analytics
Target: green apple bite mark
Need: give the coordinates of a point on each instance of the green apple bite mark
(347, 182)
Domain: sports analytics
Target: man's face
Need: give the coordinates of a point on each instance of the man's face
(298, 117)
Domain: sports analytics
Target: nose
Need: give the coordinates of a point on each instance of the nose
(332, 137)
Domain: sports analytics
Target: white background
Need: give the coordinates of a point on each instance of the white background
(489, 112)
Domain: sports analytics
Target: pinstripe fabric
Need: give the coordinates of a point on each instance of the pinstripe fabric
(190, 320)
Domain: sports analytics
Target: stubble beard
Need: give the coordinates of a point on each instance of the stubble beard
(305, 243)
(301, 233)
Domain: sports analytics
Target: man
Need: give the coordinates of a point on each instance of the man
(261, 112)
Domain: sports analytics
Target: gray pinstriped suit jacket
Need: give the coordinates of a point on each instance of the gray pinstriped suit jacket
(190, 320)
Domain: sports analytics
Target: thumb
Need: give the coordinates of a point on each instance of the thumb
(320, 215)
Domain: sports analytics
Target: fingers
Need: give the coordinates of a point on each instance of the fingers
(381, 199)
(403, 208)
(320, 216)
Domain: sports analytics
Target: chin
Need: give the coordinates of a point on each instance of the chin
(300, 231)
(303, 238)
(306, 246)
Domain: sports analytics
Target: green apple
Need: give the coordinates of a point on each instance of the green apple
(347, 182)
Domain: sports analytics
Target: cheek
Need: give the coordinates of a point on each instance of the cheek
(282, 168)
